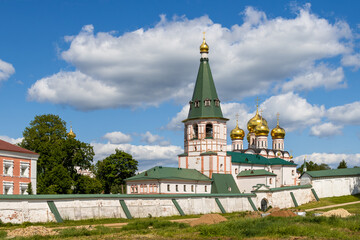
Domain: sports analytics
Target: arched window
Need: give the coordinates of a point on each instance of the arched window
(196, 131)
(209, 130)
(217, 102)
(221, 167)
(236, 170)
(270, 180)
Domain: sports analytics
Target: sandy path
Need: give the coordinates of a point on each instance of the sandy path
(332, 206)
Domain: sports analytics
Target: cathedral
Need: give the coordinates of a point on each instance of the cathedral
(206, 166)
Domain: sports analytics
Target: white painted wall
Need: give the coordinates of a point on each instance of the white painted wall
(245, 184)
(333, 186)
(37, 210)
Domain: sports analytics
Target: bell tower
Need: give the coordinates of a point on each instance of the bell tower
(205, 134)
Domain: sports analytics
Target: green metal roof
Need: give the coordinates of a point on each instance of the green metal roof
(204, 89)
(223, 183)
(237, 157)
(169, 173)
(260, 172)
(334, 172)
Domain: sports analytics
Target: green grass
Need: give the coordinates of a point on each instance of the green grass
(276, 227)
(238, 227)
(330, 201)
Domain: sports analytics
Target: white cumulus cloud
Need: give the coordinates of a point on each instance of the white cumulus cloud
(327, 129)
(117, 137)
(150, 138)
(345, 114)
(11, 140)
(146, 67)
(6, 70)
(295, 112)
(316, 77)
(148, 156)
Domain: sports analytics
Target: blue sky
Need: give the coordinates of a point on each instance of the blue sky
(123, 72)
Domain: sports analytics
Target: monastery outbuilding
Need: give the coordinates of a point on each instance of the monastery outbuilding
(18, 169)
(333, 182)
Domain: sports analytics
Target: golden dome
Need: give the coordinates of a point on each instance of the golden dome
(262, 129)
(71, 134)
(204, 48)
(237, 133)
(255, 121)
(278, 132)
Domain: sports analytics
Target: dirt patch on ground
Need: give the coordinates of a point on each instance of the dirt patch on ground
(338, 213)
(254, 214)
(208, 219)
(31, 231)
(282, 213)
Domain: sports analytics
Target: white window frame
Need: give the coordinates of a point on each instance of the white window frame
(9, 165)
(26, 166)
(9, 186)
(23, 187)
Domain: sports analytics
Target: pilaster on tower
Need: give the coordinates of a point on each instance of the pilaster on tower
(205, 133)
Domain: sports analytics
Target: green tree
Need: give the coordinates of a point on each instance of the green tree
(59, 154)
(342, 164)
(87, 185)
(29, 190)
(112, 170)
(311, 166)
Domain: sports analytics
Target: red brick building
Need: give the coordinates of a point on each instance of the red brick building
(17, 169)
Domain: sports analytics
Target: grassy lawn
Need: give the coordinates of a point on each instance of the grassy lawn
(235, 228)
(330, 201)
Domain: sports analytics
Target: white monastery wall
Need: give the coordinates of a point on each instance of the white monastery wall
(35, 208)
(334, 186)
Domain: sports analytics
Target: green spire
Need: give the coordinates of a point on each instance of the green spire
(205, 102)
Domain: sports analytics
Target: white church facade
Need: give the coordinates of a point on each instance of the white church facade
(205, 150)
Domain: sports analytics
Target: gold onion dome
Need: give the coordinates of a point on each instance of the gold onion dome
(204, 48)
(255, 121)
(278, 132)
(237, 133)
(71, 134)
(262, 129)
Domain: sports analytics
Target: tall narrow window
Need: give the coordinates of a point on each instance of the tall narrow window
(205, 188)
(196, 131)
(168, 187)
(217, 102)
(192, 188)
(184, 188)
(209, 130)
(197, 103)
(177, 188)
(207, 102)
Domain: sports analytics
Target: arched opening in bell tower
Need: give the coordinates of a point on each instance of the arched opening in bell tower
(209, 130)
